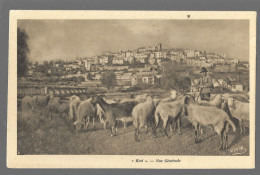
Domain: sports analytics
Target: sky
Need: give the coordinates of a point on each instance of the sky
(69, 39)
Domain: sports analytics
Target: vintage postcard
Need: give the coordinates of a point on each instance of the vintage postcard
(131, 89)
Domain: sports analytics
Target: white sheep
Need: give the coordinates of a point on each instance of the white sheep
(209, 115)
(73, 108)
(141, 98)
(74, 97)
(240, 111)
(172, 97)
(86, 110)
(216, 102)
(143, 115)
(170, 112)
(239, 97)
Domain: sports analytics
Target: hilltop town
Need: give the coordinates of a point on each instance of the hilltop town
(144, 65)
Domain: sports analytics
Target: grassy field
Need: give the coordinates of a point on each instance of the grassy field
(39, 135)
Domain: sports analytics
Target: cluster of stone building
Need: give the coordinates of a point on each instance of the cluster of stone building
(151, 59)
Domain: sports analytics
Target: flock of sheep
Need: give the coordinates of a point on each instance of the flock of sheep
(145, 111)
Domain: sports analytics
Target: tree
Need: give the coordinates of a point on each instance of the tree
(22, 52)
(173, 78)
(108, 79)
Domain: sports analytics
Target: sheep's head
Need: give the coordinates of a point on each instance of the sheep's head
(149, 98)
(94, 99)
(188, 99)
(231, 102)
(173, 94)
(78, 125)
(97, 98)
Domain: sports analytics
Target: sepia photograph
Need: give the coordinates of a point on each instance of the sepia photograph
(121, 89)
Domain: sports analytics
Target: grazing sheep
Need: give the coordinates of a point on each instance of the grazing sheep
(114, 112)
(42, 101)
(240, 111)
(73, 107)
(74, 97)
(55, 106)
(209, 115)
(86, 110)
(28, 103)
(37, 102)
(143, 115)
(170, 112)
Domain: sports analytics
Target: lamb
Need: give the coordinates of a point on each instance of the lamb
(208, 115)
(170, 112)
(114, 112)
(42, 101)
(240, 111)
(86, 110)
(28, 103)
(143, 115)
(55, 106)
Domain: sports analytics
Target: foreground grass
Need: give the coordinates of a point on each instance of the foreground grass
(39, 135)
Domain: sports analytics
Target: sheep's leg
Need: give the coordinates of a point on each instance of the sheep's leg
(112, 131)
(125, 125)
(171, 129)
(165, 123)
(113, 126)
(87, 123)
(105, 124)
(116, 124)
(93, 124)
(157, 121)
(136, 135)
(71, 112)
(100, 118)
(146, 127)
(179, 126)
(221, 140)
(241, 128)
(196, 126)
(154, 131)
(226, 136)
(200, 130)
